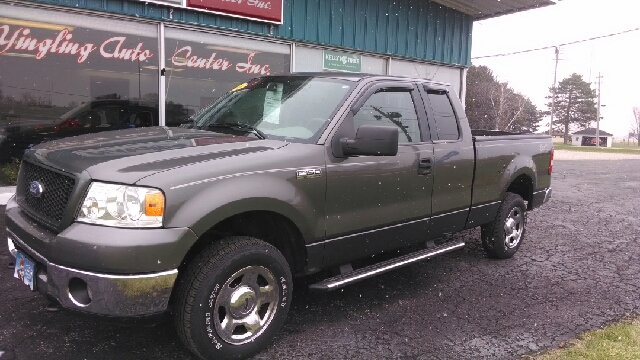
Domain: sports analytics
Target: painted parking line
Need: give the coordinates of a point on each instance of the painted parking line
(1, 353)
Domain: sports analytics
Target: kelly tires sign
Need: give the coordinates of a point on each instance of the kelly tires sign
(334, 60)
(261, 10)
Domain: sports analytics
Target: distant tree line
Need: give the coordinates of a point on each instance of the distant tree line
(494, 105)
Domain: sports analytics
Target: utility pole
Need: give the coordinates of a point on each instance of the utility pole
(598, 114)
(553, 93)
(139, 92)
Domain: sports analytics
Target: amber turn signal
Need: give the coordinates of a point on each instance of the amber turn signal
(154, 204)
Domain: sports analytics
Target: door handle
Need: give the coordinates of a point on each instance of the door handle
(424, 166)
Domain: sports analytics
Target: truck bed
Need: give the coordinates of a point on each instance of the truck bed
(513, 155)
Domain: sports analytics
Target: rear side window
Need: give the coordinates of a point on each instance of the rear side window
(395, 109)
(443, 115)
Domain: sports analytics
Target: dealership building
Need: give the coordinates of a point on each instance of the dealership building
(173, 57)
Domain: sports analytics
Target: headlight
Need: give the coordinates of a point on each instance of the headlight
(122, 206)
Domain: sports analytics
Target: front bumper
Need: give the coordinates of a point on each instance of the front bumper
(101, 270)
(100, 294)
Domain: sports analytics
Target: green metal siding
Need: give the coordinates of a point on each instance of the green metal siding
(414, 29)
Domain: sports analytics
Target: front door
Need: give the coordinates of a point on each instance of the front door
(380, 203)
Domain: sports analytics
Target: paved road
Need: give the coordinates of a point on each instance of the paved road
(578, 269)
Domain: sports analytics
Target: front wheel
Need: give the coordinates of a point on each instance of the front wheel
(501, 239)
(233, 298)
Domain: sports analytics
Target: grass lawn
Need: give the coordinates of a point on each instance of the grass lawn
(632, 144)
(619, 341)
(623, 150)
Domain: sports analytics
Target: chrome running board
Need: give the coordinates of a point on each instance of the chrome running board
(339, 281)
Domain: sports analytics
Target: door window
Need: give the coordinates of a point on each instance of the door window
(443, 115)
(394, 109)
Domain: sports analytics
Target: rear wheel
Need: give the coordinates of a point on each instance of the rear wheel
(233, 298)
(501, 239)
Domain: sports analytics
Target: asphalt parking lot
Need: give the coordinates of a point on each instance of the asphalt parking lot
(578, 269)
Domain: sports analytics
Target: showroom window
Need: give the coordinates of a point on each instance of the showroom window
(70, 74)
(201, 67)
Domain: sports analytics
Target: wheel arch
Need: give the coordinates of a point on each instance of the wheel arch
(269, 226)
(522, 185)
(520, 178)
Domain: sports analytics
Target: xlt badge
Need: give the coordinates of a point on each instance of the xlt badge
(308, 173)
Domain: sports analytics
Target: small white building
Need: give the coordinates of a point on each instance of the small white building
(587, 137)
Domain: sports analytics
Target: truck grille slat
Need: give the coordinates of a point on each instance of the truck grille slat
(58, 187)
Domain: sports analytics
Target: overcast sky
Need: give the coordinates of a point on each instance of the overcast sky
(617, 58)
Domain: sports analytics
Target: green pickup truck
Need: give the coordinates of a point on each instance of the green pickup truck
(284, 176)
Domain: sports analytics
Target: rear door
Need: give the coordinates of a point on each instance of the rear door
(379, 203)
(453, 161)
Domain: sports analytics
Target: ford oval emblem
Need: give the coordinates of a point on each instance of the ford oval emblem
(36, 189)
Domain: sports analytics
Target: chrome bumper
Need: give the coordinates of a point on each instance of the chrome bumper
(101, 294)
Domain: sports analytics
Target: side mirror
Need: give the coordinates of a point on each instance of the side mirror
(372, 140)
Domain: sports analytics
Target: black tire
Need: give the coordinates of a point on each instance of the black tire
(512, 215)
(220, 287)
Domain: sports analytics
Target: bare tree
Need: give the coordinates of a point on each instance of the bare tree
(507, 106)
(493, 105)
(634, 131)
(28, 99)
(498, 99)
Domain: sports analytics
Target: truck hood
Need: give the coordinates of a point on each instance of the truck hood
(127, 156)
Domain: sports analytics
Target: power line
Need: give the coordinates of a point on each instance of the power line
(552, 46)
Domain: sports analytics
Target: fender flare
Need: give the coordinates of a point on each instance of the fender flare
(520, 165)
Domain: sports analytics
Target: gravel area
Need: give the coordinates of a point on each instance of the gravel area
(578, 269)
(589, 155)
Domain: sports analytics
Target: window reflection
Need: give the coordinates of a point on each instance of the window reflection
(68, 74)
(203, 67)
(395, 109)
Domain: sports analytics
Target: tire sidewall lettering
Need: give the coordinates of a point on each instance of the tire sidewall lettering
(208, 318)
(283, 290)
(208, 312)
(212, 297)
(211, 331)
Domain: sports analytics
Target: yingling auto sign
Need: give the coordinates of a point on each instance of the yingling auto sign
(261, 10)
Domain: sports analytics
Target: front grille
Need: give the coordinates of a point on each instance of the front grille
(53, 201)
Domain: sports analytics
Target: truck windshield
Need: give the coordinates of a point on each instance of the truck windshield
(290, 108)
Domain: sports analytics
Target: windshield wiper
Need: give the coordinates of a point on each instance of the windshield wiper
(240, 126)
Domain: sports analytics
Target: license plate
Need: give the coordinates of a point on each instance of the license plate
(24, 269)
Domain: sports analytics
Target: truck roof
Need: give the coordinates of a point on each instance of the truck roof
(361, 76)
